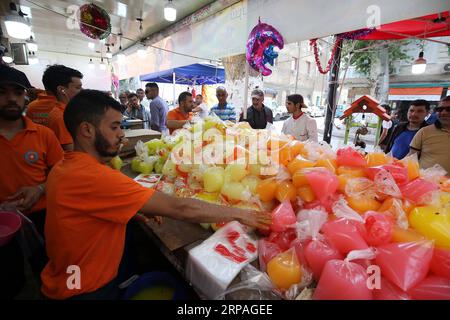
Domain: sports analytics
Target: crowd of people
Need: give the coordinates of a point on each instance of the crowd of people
(423, 133)
(153, 110)
(53, 171)
(54, 149)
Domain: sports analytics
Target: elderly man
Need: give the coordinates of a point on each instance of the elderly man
(431, 143)
(123, 98)
(224, 110)
(258, 115)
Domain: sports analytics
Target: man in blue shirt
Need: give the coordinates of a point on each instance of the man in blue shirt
(224, 110)
(158, 108)
(403, 133)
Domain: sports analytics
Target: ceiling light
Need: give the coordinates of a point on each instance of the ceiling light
(121, 9)
(91, 45)
(91, 64)
(102, 65)
(108, 54)
(121, 57)
(170, 12)
(142, 52)
(7, 58)
(16, 25)
(32, 45)
(419, 65)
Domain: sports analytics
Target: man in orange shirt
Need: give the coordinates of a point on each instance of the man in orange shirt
(178, 117)
(89, 205)
(61, 84)
(27, 152)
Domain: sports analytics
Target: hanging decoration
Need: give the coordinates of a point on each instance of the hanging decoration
(260, 47)
(342, 36)
(94, 21)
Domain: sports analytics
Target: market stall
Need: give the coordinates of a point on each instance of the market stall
(337, 216)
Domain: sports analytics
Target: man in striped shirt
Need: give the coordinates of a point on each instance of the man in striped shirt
(224, 110)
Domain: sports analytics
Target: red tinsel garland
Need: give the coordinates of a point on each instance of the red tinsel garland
(313, 42)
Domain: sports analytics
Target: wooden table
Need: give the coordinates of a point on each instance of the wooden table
(175, 238)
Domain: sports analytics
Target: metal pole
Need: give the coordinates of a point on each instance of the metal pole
(244, 109)
(298, 67)
(174, 94)
(333, 84)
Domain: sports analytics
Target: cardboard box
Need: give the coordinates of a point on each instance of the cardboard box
(134, 136)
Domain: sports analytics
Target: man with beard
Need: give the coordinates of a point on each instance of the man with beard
(61, 84)
(27, 152)
(84, 192)
(400, 138)
(432, 143)
(178, 117)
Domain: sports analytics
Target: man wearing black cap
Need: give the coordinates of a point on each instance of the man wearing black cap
(258, 115)
(27, 152)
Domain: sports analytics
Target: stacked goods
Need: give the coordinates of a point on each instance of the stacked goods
(341, 220)
(367, 227)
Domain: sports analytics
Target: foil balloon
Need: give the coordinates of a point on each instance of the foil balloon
(94, 21)
(260, 47)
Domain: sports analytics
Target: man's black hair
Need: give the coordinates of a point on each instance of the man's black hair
(421, 102)
(131, 95)
(58, 75)
(152, 85)
(183, 95)
(89, 106)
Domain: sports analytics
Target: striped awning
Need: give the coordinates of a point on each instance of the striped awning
(426, 93)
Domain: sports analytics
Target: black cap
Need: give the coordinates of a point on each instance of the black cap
(10, 75)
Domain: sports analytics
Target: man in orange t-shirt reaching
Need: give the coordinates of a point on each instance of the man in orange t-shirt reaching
(178, 117)
(89, 205)
(61, 84)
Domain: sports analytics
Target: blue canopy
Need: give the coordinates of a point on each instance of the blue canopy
(194, 74)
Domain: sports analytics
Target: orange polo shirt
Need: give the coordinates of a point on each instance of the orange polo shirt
(39, 109)
(56, 123)
(27, 158)
(88, 207)
(175, 114)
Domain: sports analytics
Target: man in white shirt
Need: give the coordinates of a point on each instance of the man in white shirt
(299, 125)
(201, 108)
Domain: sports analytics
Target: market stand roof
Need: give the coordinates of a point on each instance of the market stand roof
(372, 106)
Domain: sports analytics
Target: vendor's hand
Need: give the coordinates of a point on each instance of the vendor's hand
(147, 219)
(257, 219)
(25, 198)
(157, 219)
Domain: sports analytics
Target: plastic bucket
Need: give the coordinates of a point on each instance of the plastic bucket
(10, 223)
(155, 286)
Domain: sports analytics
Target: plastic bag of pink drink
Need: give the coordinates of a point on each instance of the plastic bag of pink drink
(440, 262)
(283, 239)
(266, 251)
(317, 251)
(283, 216)
(398, 172)
(345, 235)
(418, 190)
(431, 288)
(405, 264)
(345, 280)
(389, 291)
(385, 185)
(379, 228)
(324, 185)
(350, 157)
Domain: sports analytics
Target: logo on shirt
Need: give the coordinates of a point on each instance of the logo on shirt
(31, 157)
